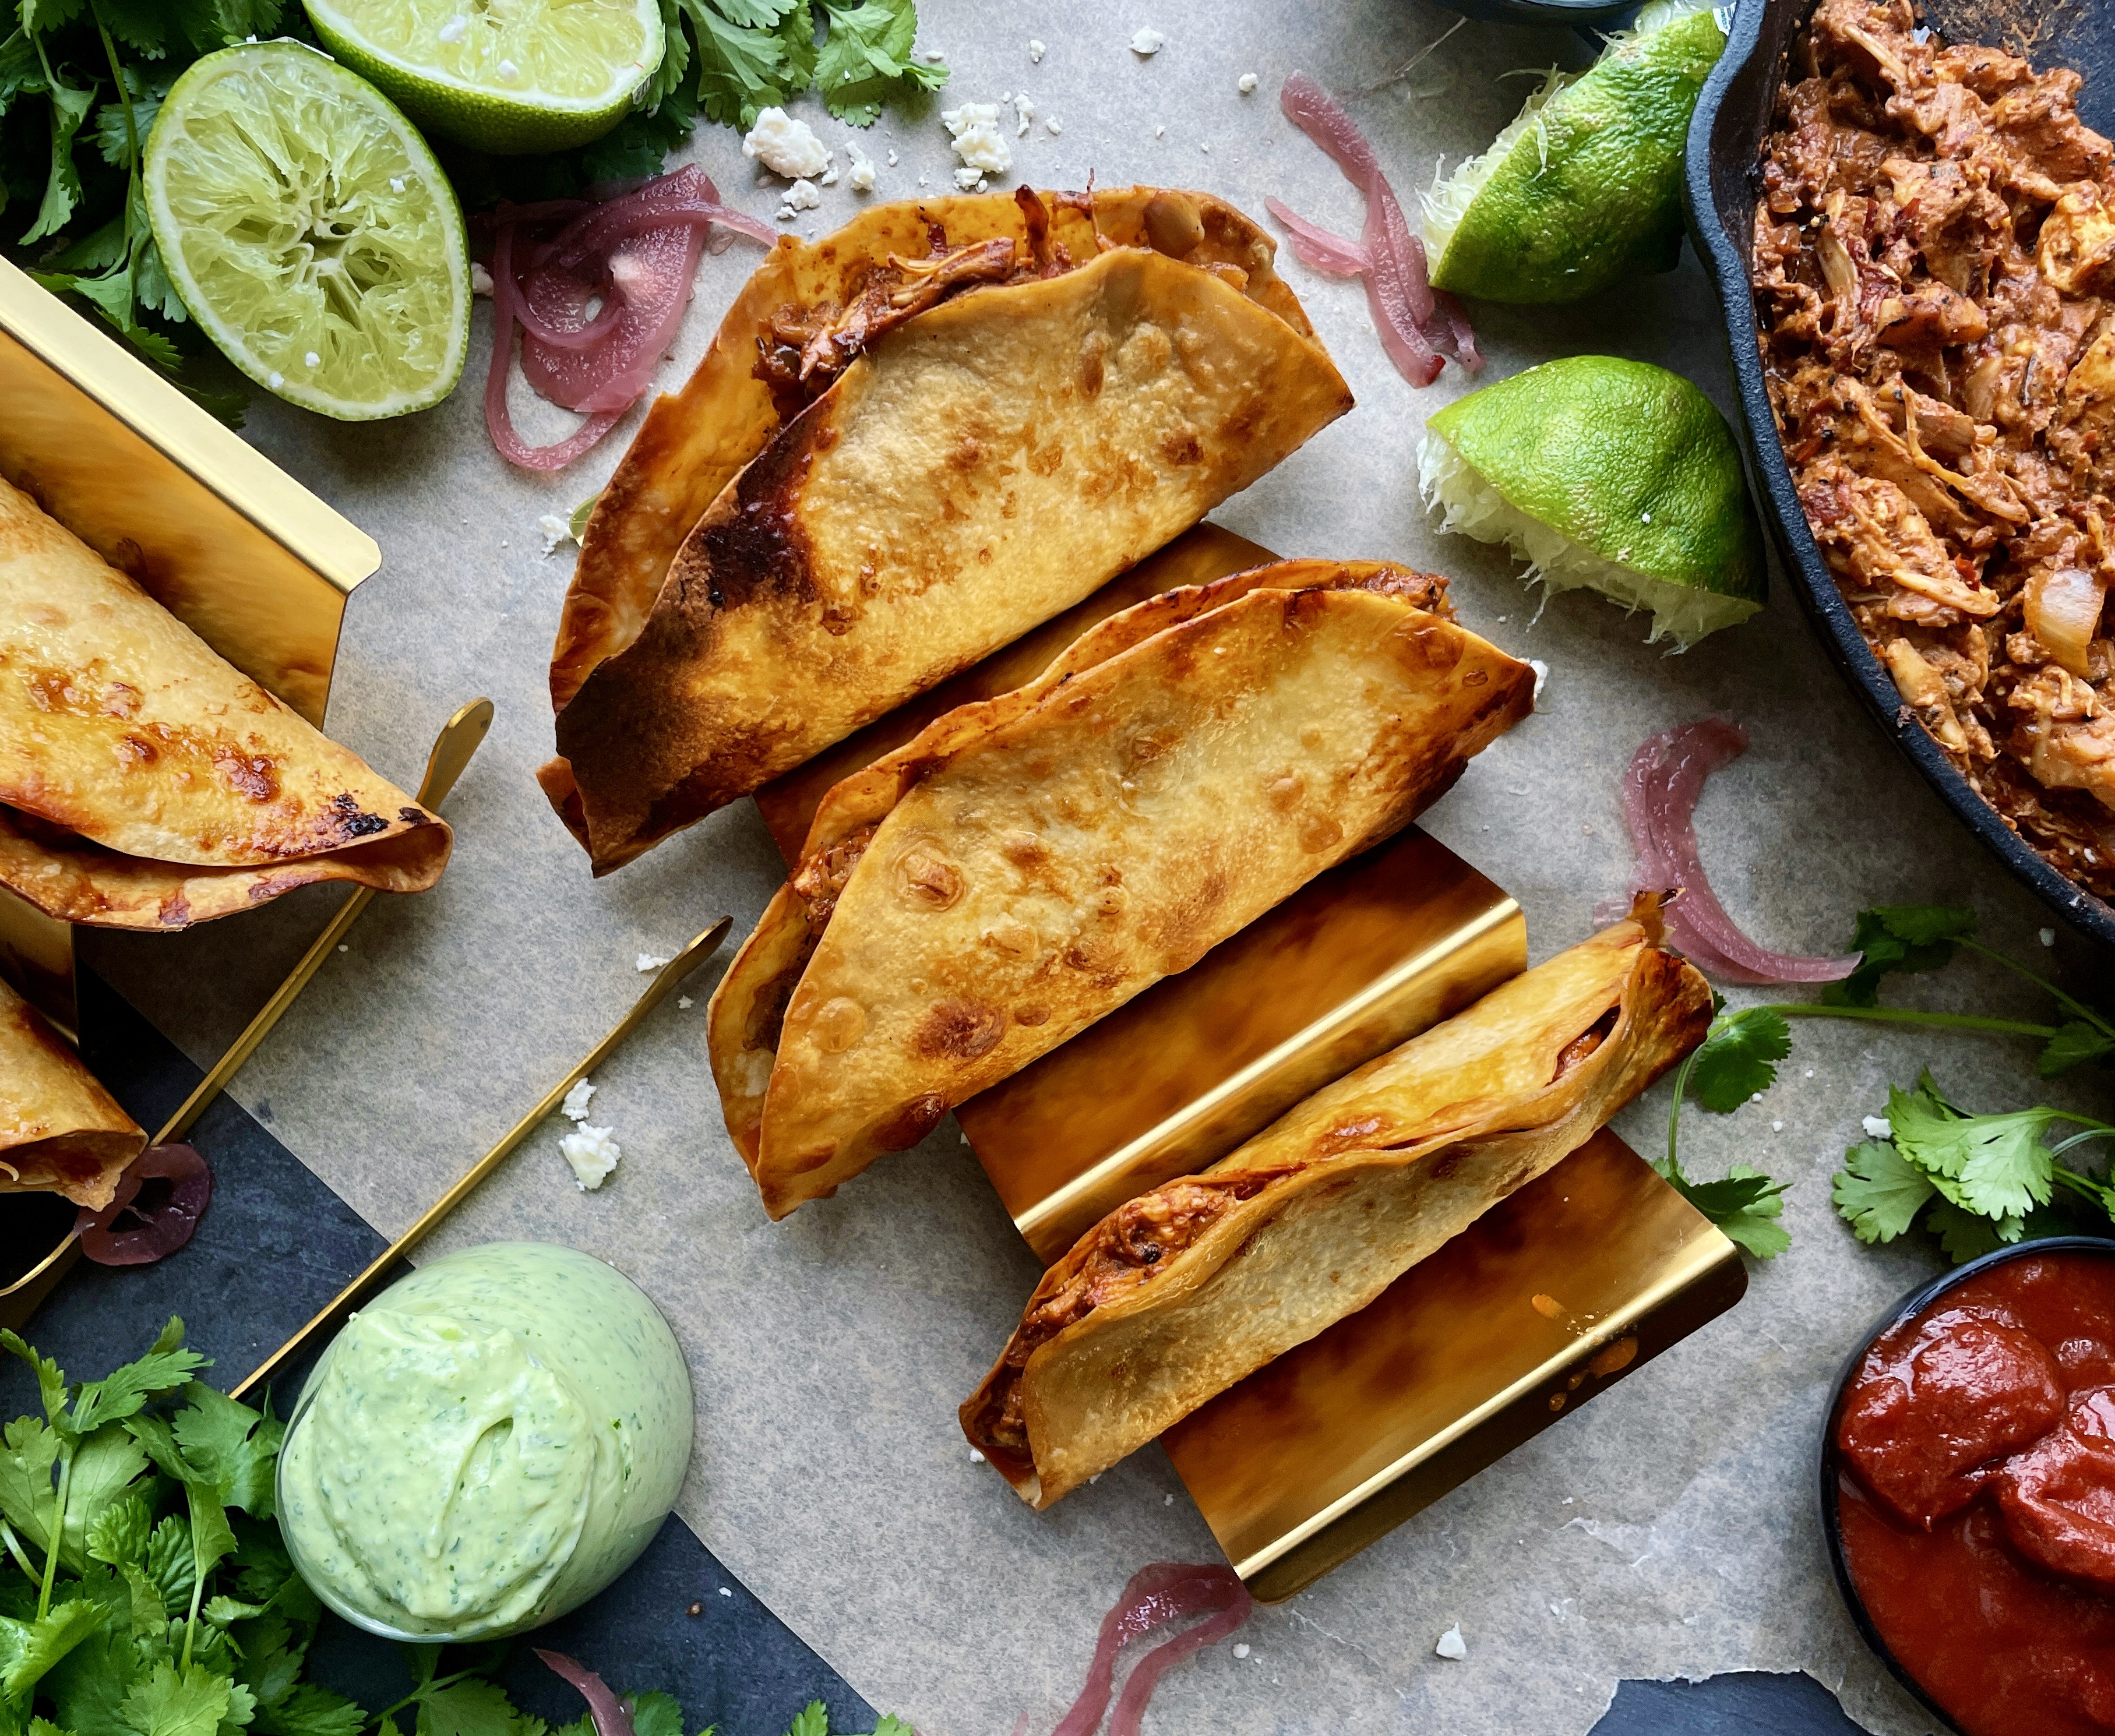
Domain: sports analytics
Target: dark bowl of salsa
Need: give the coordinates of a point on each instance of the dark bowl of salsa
(1968, 1491)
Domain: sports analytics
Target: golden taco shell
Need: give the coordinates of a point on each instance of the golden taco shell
(1030, 862)
(693, 441)
(145, 782)
(60, 1131)
(1181, 1293)
(969, 473)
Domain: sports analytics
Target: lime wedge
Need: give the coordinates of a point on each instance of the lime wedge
(310, 232)
(507, 77)
(1584, 188)
(1615, 476)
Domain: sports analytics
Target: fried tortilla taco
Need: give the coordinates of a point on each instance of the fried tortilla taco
(60, 1131)
(923, 436)
(145, 782)
(1029, 863)
(1179, 1293)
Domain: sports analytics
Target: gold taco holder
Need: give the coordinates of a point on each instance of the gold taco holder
(1551, 1297)
(245, 557)
(223, 538)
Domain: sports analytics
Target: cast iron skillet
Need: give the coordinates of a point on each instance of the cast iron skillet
(1725, 148)
(1915, 1302)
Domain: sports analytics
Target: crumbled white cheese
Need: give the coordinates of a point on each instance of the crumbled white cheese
(1025, 110)
(1451, 1645)
(480, 280)
(828, 177)
(860, 180)
(1160, 130)
(2047, 936)
(684, 1003)
(970, 181)
(554, 531)
(1053, 126)
(1878, 1127)
(1167, 1500)
(891, 157)
(1541, 675)
(650, 961)
(975, 1456)
(1777, 1127)
(1036, 51)
(786, 146)
(1246, 83)
(802, 196)
(592, 1153)
(456, 29)
(978, 141)
(576, 1106)
(1809, 1073)
(1242, 1651)
(1147, 40)
(932, 57)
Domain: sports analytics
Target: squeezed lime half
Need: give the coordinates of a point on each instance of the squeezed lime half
(310, 232)
(507, 77)
(1612, 474)
(1584, 188)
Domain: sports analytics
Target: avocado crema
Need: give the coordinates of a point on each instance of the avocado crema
(487, 1445)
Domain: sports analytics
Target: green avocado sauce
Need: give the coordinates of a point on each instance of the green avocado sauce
(486, 1446)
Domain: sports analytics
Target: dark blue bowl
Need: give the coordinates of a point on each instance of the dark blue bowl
(1725, 150)
(1830, 1464)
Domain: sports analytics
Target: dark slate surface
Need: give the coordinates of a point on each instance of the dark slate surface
(275, 1246)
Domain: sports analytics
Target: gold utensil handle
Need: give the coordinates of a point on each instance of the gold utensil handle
(334, 1311)
(461, 737)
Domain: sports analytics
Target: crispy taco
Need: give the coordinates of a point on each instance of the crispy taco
(909, 444)
(145, 782)
(1028, 862)
(60, 1132)
(1176, 1295)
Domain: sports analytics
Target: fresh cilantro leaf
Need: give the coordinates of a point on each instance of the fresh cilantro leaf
(469, 1708)
(180, 1702)
(70, 107)
(98, 250)
(224, 1611)
(1965, 1236)
(1739, 1058)
(142, 25)
(744, 69)
(812, 1719)
(866, 58)
(29, 1452)
(124, 1392)
(893, 1725)
(114, 136)
(1743, 1205)
(105, 1465)
(29, 1649)
(118, 1535)
(170, 1567)
(1906, 937)
(231, 1445)
(1878, 1192)
(656, 1715)
(207, 25)
(51, 1380)
(310, 1710)
(2074, 1043)
(41, 17)
(1998, 1164)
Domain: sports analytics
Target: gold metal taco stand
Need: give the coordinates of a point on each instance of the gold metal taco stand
(1548, 1299)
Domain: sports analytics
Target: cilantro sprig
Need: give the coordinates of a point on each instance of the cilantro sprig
(145, 1590)
(1978, 1181)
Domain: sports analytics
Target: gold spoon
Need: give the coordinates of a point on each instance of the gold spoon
(460, 738)
(334, 1311)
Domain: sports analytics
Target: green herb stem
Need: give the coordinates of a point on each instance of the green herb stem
(1674, 1114)
(57, 1540)
(124, 95)
(14, 1545)
(2076, 1009)
(419, 1693)
(1904, 1015)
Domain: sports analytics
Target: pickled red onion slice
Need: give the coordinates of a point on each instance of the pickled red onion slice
(1319, 248)
(128, 1233)
(1660, 791)
(1417, 331)
(611, 1716)
(1165, 1592)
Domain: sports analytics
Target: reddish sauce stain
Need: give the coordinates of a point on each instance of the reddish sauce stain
(1977, 1496)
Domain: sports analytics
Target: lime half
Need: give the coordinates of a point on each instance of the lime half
(1584, 188)
(309, 232)
(502, 75)
(1612, 474)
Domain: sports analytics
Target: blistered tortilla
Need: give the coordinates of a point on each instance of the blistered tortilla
(144, 781)
(60, 1131)
(1181, 1293)
(969, 473)
(1031, 862)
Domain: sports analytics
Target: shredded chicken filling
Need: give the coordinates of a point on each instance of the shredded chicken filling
(1934, 265)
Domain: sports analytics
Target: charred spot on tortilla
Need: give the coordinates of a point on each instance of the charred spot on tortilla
(915, 1119)
(350, 821)
(959, 1030)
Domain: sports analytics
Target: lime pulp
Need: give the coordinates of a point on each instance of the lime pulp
(507, 77)
(310, 232)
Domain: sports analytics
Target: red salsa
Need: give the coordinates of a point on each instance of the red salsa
(1976, 1496)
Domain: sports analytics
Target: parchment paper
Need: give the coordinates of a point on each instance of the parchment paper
(1667, 1529)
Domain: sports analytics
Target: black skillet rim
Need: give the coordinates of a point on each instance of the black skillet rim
(1723, 154)
(1828, 1464)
